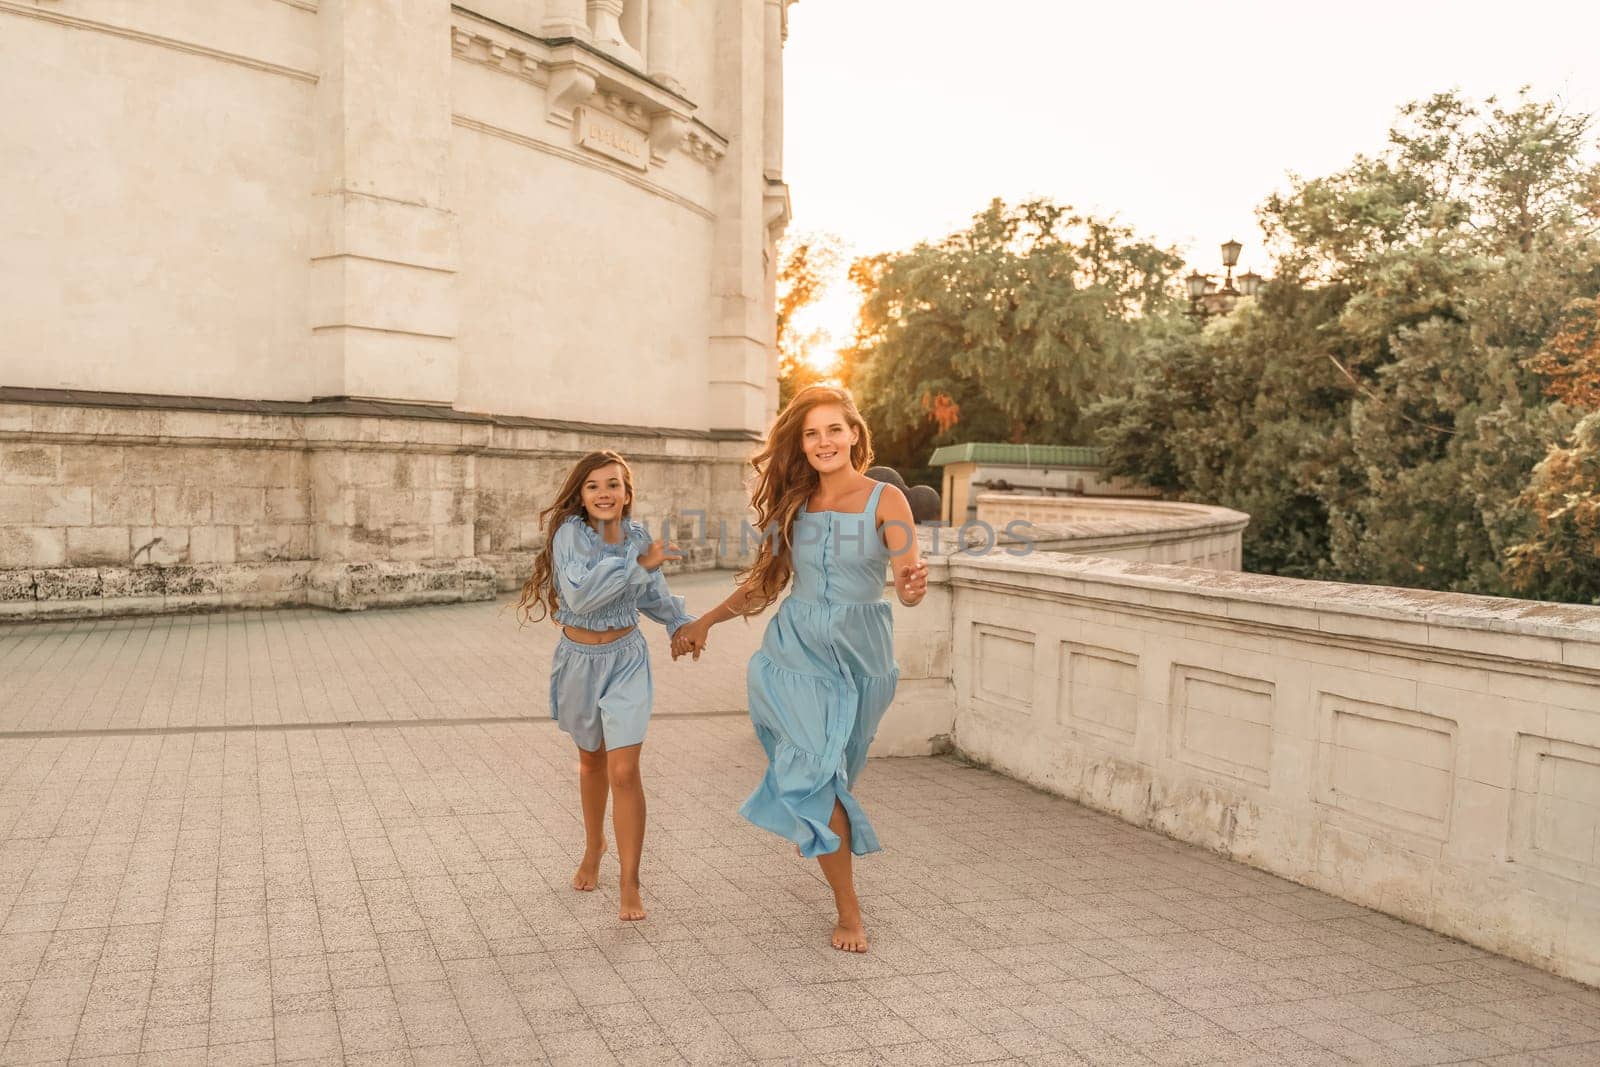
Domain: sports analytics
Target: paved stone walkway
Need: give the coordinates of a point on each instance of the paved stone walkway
(301, 837)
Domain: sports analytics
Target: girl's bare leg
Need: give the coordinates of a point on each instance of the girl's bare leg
(849, 935)
(627, 820)
(593, 788)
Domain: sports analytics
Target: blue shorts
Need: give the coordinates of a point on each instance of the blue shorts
(601, 694)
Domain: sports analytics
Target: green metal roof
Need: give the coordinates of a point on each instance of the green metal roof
(1017, 455)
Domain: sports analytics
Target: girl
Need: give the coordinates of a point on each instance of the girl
(598, 571)
(825, 673)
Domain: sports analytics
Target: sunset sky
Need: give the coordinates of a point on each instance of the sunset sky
(902, 119)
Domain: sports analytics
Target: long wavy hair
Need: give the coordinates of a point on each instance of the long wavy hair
(785, 480)
(539, 591)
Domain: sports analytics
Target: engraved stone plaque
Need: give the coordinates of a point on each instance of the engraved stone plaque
(599, 132)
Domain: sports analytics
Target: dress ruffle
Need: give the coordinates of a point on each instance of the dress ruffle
(812, 763)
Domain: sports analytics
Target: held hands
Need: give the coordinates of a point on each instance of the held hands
(659, 552)
(911, 583)
(690, 640)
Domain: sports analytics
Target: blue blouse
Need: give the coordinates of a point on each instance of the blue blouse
(601, 586)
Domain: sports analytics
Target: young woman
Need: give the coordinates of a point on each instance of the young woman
(599, 570)
(825, 673)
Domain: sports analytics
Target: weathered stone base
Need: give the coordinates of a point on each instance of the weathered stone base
(118, 505)
(106, 592)
(89, 592)
(353, 586)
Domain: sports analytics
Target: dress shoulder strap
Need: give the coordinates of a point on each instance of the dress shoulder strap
(872, 500)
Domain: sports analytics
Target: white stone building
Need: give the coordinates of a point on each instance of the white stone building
(316, 300)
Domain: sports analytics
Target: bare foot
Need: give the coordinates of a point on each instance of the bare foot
(588, 875)
(631, 908)
(849, 935)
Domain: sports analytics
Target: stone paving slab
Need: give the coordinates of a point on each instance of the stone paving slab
(396, 891)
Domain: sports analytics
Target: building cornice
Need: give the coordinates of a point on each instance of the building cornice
(333, 407)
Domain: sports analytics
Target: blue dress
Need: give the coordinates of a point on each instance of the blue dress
(822, 680)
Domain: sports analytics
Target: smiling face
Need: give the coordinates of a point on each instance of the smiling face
(826, 437)
(605, 494)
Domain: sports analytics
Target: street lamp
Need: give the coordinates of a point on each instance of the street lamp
(1205, 298)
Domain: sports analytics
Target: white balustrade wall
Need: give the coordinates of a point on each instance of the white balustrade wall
(1430, 755)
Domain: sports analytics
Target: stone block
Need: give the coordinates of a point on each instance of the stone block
(239, 468)
(337, 544)
(189, 582)
(377, 509)
(58, 506)
(211, 544)
(91, 465)
(133, 583)
(164, 465)
(264, 543)
(333, 506)
(124, 506)
(435, 432)
(97, 546)
(450, 506)
(30, 464)
(159, 545)
(411, 542)
(413, 471)
(287, 505)
(32, 546)
(354, 586)
(281, 578)
(67, 583)
(17, 504)
(452, 472)
(182, 506)
(289, 469)
(227, 425)
(94, 422)
(451, 541)
(238, 506)
(16, 585)
(16, 418)
(373, 469)
(390, 431)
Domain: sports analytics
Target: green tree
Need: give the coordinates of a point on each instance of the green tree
(1004, 331)
(1393, 414)
(1560, 556)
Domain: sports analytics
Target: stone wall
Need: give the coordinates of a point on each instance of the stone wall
(414, 200)
(1147, 531)
(1430, 755)
(117, 505)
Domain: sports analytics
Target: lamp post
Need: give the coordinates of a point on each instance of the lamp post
(1206, 299)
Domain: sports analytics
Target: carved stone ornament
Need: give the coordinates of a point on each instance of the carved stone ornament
(577, 74)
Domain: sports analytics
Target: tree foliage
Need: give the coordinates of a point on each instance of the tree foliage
(1431, 328)
(1004, 331)
(1560, 556)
